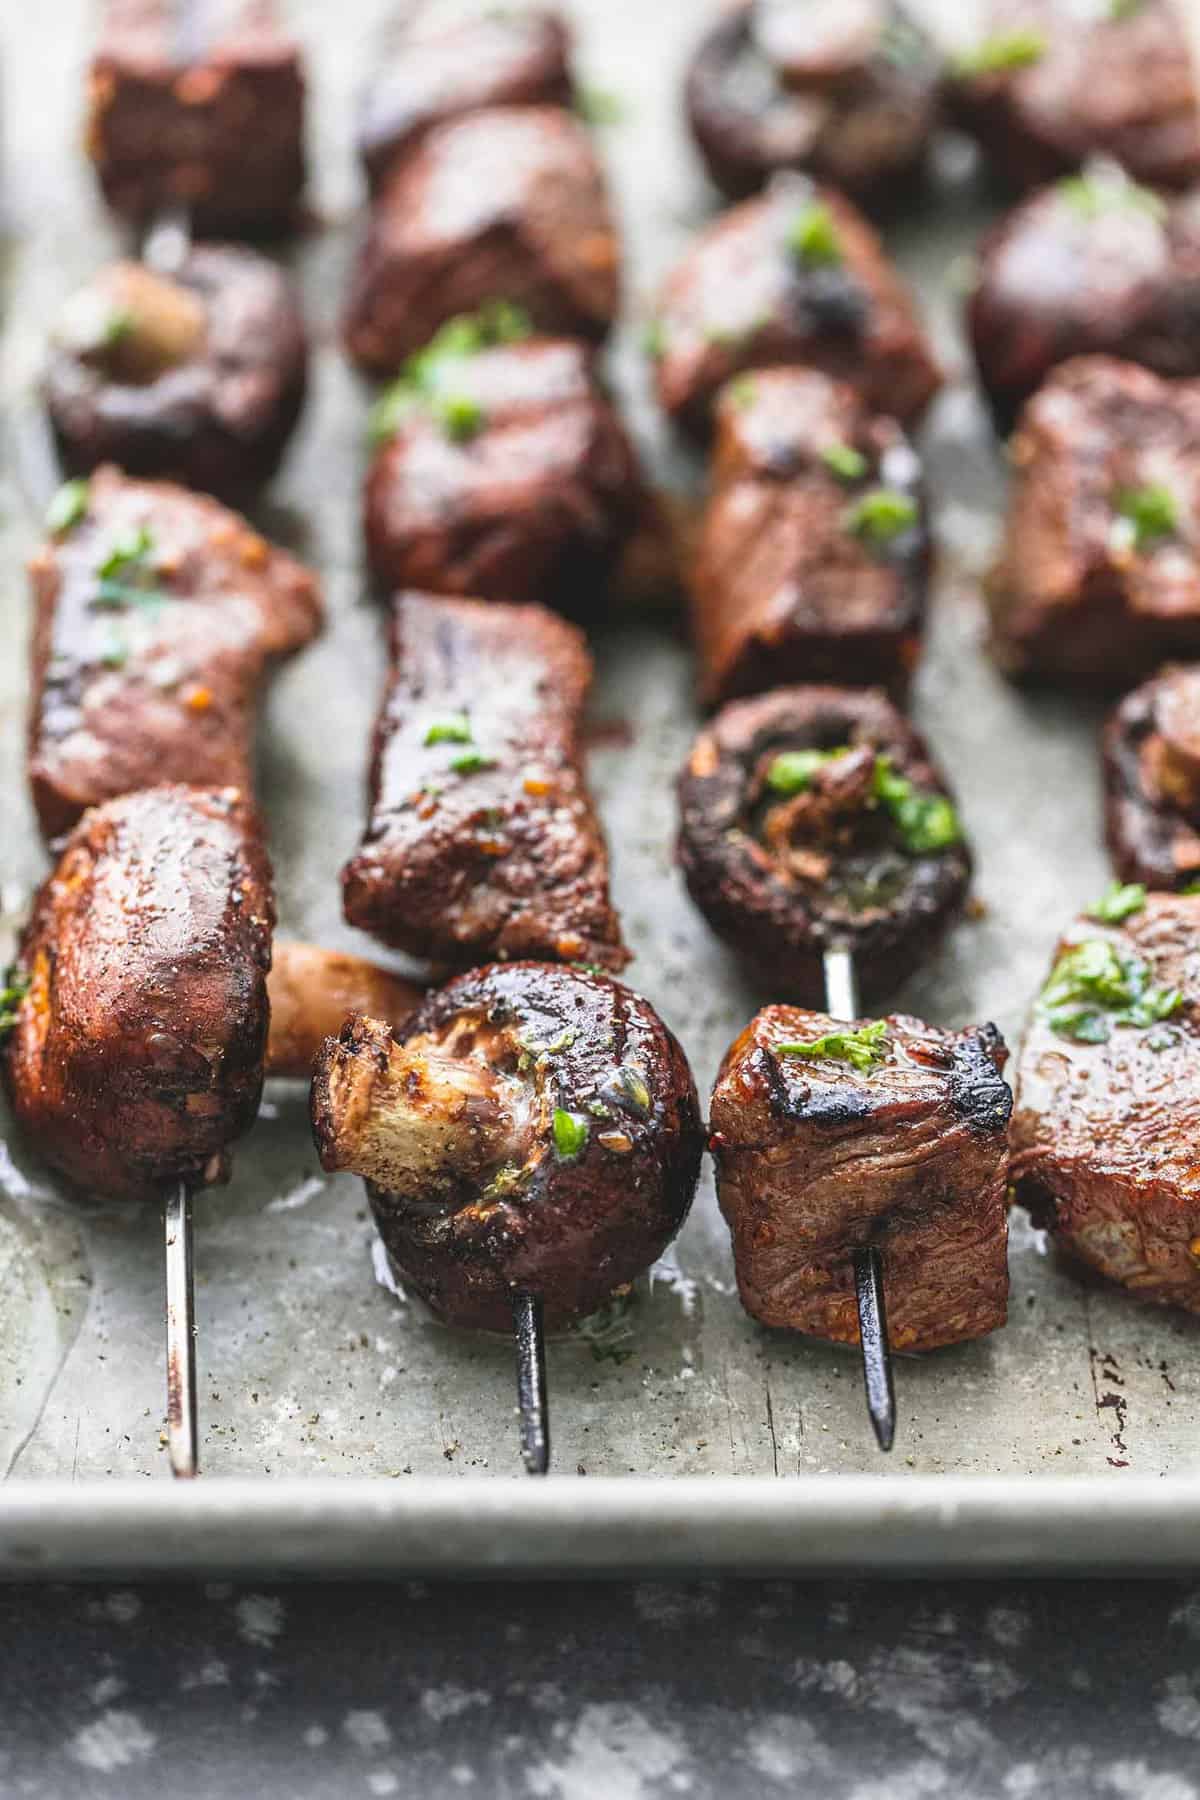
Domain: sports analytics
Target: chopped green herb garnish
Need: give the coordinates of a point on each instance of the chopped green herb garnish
(460, 417)
(812, 237)
(1018, 49)
(862, 1049)
(570, 1134)
(129, 549)
(792, 770)
(1120, 10)
(1149, 513)
(654, 339)
(68, 506)
(1120, 902)
(469, 762)
(126, 572)
(118, 325)
(430, 381)
(600, 106)
(1095, 195)
(634, 1084)
(456, 729)
(880, 516)
(743, 392)
(1094, 987)
(847, 463)
(1193, 887)
(927, 823)
(16, 986)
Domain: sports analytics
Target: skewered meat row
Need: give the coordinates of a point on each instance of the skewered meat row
(797, 276)
(532, 1128)
(200, 108)
(198, 376)
(503, 470)
(482, 842)
(846, 90)
(1099, 578)
(813, 818)
(813, 554)
(1108, 1097)
(158, 614)
(508, 203)
(136, 1057)
(1093, 264)
(1049, 84)
(312, 990)
(433, 68)
(831, 1136)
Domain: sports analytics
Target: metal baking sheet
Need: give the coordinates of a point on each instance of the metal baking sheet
(341, 1428)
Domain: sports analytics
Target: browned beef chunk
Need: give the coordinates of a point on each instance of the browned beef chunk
(813, 556)
(1094, 263)
(810, 819)
(1152, 781)
(903, 1148)
(157, 617)
(1099, 578)
(1049, 84)
(1108, 1100)
(845, 91)
(532, 1129)
(508, 204)
(505, 473)
(198, 376)
(482, 842)
(797, 276)
(434, 67)
(313, 991)
(200, 107)
(137, 1054)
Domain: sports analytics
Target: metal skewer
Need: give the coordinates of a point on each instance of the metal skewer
(183, 1437)
(841, 1002)
(531, 1383)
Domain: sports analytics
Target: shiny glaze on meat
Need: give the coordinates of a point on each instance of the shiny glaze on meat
(739, 299)
(1098, 267)
(1070, 600)
(508, 203)
(435, 68)
(781, 590)
(782, 880)
(1104, 1135)
(816, 1159)
(1112, 81)
(1152, 781)
(137, 1056)
(572, 1230)
(508, 859)
(854, 103)
(313, 991)
(162, 688)
(201, 107)
(537, 504)
(217, 416)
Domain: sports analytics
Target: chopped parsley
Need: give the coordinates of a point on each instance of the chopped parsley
(570, 1134)
(16, 986)
(634, 1084)
(1007, 50)
(1146, 514)
(431, 381)
(792, 770)
(880, 516)
(844, 461)
(862, 1049)
(600, 106)
(926, 823)
(1120, 902)
(455, 729)
(1120, 10)
(1097, 194)
(126, 571)
(470, 762)
(654, 339)
(812, 237)
(68, 506)
(1094, 987)
(743, 392)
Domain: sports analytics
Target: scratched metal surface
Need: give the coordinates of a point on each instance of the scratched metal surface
(308, 1365)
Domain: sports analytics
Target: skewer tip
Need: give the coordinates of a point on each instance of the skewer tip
(182, 1431)
(876, 1351)
(531, 1383)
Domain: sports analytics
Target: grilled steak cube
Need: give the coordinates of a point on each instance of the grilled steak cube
(1152, 781)
(503, 471)
(813, 555)
(482, 842)
(435, 68)
(199, 107)
(505, 204)
(157, 616)
(797, 276)
(846, 92)
(1099, 578)
(1107, 1116)
(1049, 84)
(199, 376)
(892, 1134)
(1094, 263)
(813, 818)
(136, 1055)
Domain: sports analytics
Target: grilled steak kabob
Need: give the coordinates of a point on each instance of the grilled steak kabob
(796, 276)
(846, 90)
(198, 109)
(819, 840)
(531, 1142)
(1051, 83)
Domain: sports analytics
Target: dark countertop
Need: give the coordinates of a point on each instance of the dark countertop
(1014, 1691)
